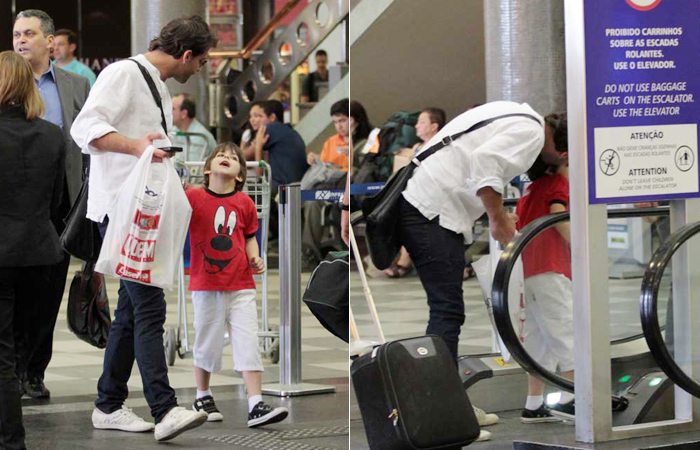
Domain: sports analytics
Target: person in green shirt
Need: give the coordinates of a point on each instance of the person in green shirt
(197, 147)
(65, 44)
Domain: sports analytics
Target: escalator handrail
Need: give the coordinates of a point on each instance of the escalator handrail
(648, 301)
(501, 278)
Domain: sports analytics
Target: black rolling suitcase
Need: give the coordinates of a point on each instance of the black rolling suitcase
(411, 397)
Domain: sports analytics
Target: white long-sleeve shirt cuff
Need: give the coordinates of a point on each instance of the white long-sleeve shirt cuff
(493, 182)
(96, 132)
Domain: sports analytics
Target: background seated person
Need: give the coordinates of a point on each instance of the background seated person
(195, 148)
(278, 144)
(284, 147)
(184, 119)
(335, 151)
(361, 128)
(430, 121)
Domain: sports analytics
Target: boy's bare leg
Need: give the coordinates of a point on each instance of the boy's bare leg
(205, 400)
(253, 382)
(202, 378)
(534, 386)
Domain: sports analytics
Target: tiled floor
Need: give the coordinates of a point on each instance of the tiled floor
(76, 366)
(403, 309)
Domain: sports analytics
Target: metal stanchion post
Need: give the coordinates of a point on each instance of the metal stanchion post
(290, 384)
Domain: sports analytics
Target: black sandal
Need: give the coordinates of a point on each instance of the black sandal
(398, 271)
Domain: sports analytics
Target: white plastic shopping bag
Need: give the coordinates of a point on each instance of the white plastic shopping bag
(147, 226)
(484, 268)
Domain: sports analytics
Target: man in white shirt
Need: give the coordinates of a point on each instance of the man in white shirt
(454, 187)
(197, 148)
(119, 121)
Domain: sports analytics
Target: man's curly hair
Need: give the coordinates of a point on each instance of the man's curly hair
(185, 33)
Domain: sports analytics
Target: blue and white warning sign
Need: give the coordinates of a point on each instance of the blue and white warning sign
(642, 99)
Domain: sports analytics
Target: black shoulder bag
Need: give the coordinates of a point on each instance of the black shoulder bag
(381, 210)
(81, 237)
(154, 93)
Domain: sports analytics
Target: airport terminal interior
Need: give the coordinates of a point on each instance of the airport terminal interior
(326, 100)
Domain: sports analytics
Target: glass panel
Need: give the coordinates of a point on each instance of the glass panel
(267, 72)
(323, 14)
(285, 53)
(248, 92)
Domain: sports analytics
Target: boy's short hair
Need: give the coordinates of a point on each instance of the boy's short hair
(341, 107)
(223, 147)
(560, 134)
(560, 130)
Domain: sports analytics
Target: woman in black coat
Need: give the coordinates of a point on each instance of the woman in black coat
(32, 155)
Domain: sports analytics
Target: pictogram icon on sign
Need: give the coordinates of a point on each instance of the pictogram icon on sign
(609, 162)
(685, 158)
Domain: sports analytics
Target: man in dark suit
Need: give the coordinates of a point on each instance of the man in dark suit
(64, 94)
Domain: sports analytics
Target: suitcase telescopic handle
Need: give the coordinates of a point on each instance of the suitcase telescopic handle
(367, 291)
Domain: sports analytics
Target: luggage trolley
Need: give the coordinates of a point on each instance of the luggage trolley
(176, 339)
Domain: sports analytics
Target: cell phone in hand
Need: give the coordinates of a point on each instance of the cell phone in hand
(171, 149)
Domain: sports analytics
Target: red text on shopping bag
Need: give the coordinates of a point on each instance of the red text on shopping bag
(139, 250)
(143, 276)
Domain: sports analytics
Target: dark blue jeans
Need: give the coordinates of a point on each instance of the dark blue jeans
(438, 256)
(136, 332)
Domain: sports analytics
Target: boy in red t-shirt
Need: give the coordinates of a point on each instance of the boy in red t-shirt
(224, 256)
(548, 331)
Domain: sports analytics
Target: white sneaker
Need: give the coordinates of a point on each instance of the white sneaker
(484, 436)
(122, 419)
(178, 420)
(483, 418)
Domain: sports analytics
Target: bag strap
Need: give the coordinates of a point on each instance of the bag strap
(447, 140)
(154, 92)
(87, 272)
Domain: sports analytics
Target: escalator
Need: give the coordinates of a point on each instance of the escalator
(649, 299)
(640, 389)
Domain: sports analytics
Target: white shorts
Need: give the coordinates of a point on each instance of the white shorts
(549, 327)
(214, 311)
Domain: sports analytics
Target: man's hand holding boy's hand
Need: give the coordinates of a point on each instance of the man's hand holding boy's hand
(257, 264)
